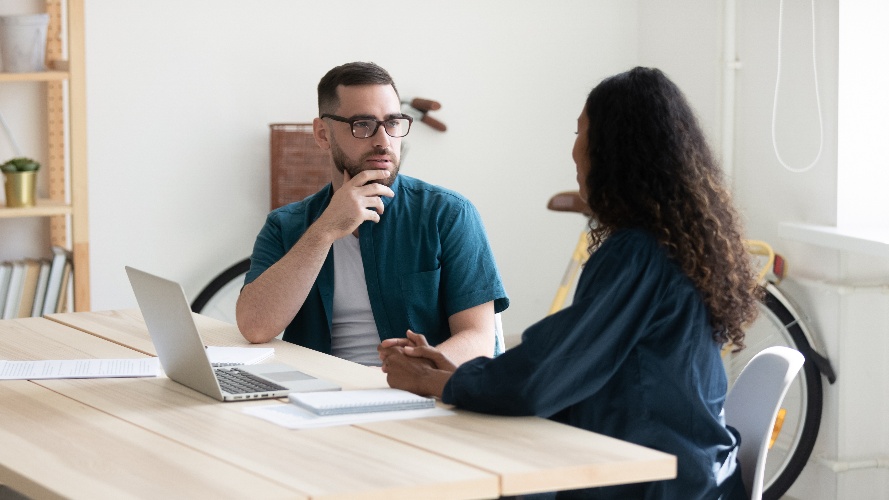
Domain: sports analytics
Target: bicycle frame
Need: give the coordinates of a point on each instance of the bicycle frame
(580, 255)
(820, 360)
(770, 274)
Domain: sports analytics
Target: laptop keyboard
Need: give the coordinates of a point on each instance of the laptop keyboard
(237, 381)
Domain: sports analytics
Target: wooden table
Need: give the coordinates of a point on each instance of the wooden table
(152, 437)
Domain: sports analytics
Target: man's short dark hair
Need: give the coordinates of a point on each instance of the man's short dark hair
(354, 73)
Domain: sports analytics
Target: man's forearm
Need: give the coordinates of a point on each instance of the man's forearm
(267, 305)
(472, 334)
(466, 345)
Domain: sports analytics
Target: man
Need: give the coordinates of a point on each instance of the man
(374, 253)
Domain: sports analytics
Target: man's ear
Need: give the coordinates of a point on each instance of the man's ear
(320, 132)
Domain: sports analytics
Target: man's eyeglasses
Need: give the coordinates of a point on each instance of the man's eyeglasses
(362, 128)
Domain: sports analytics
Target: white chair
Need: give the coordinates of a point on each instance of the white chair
(499, 343)
(752, 405)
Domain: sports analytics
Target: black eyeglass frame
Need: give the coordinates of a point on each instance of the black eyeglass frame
(352, 121)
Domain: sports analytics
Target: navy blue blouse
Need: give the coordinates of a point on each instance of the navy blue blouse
(633, 357)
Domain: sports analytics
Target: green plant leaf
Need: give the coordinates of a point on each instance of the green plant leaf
(20, 164)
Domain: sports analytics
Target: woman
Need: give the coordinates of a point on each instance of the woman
(637, 354)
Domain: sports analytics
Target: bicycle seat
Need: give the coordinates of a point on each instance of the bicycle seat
(569, 201)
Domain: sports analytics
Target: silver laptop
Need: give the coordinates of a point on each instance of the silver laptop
(184, 358)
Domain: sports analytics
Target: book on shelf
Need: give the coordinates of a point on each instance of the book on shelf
(62, 304)
(40, 292)
(29, 287)
(5, 272)
(14, 294)
(55, 294)
(34, 287)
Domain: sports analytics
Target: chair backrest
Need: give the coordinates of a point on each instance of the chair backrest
(752, 405)
(499, 343)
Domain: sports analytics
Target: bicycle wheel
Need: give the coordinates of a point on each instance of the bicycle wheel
(218, 299)
(798, 423)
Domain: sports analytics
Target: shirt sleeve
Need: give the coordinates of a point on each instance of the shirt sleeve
(283, 228)
(567, 357)
(469, 273)
(267, 249)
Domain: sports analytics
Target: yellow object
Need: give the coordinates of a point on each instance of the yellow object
(580, 255)
(779, 422)
(762, 249)
(21, 189)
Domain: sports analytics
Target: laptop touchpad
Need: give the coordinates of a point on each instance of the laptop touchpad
(288, 376)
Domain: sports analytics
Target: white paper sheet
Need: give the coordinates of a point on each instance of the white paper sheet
(78, 368)
(232, 356)
(294, 417)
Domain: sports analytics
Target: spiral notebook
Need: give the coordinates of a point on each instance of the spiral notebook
(360, 401)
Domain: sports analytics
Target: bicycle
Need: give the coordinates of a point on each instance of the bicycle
(219, 297)
(780, 322)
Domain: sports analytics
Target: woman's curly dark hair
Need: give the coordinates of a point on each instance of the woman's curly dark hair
(651, 168)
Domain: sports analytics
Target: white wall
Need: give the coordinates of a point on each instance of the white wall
(180, 95)
(862, 203)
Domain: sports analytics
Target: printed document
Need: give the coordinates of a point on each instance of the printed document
(78, 368)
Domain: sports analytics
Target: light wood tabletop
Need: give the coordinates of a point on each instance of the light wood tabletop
(342, 462)
(159, 438)
(531, 454)
(57, 447)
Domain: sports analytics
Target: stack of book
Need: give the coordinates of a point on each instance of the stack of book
(34, 287)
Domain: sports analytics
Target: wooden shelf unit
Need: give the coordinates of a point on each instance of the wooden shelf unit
(67, 205)
(42, 76)
(44, 208)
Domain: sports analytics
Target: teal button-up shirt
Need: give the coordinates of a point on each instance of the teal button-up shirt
(426, 259)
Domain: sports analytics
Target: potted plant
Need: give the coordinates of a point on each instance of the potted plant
(21, 181)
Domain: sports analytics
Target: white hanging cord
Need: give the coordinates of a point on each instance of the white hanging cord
(817, 96)
(15, 145)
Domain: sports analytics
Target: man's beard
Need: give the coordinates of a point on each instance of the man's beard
(342, 163)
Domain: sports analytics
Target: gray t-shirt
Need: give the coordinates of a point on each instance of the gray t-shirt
(354, 333)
